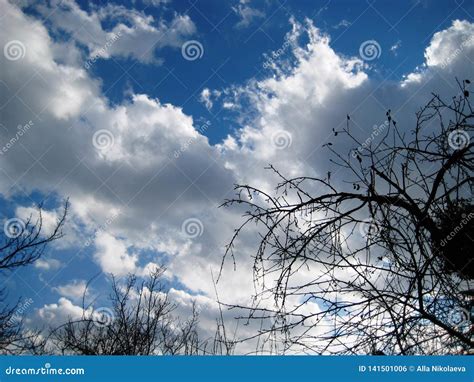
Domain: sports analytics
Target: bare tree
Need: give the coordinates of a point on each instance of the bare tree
(385, 259)
(22, 243)
(140, 321)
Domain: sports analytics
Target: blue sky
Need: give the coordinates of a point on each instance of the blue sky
(233, 54)
(153, 102)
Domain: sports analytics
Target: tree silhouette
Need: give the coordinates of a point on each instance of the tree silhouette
(387, 257)
(140, 321)
(22, 243)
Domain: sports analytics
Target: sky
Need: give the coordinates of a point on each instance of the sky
(145, 114)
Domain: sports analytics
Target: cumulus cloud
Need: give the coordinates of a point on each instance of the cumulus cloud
(295, 109)
(134, 34)
(74, 290)
(58, 313)
(143, 136)
(303, 104)
(451, 46)
(113, 256)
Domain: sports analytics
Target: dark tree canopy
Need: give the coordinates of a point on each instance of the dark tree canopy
(387, 256)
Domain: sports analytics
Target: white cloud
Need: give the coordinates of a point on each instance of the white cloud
(134, 34)
(58, 313)
(55, 314)
(246, 13)
(451, 45)
(156, 3)
(112, 255)
(49, 219)
(47, 264)
(300, 102)
(74, 290)
(317, 92)
(394, 48)
(206, 98)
